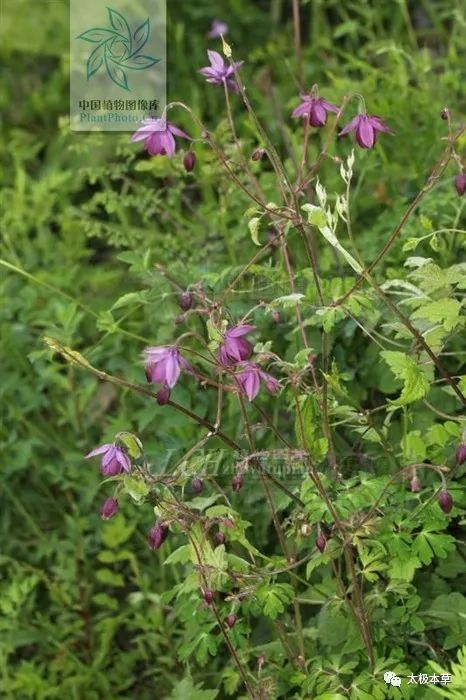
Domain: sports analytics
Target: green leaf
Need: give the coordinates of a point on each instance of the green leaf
(416, 384)
(444, 311)
(254, 228)
(136, 488)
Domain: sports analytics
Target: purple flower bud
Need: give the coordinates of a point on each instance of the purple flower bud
(228, 523)
(189, 161)
(415, 484)
(163, 396)
(461, 454)
(219, 538)
(157, 536)
(185, 301)
(109, 508)
(258, 154)
(208, 597)
(231, 620)
(237, 482)
(312, 358)
(445, 113)
(197, 485)
(460, 184)
(445, 501)
(321, 542)
(277, 317)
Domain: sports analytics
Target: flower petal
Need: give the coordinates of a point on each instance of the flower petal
(216, 61)
(365, 134)
(351, 126)
(99, 450)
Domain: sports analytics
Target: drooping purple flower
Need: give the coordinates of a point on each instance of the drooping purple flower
(159, 136)
(315, 109)
(217, 29)
(321, 541)
(460, 184)
(445, 501)
(461, 454)
(415, 485)
(114, 459)
(185, 301)
(231, 620)
(189, 161)
(366, 127)
(197, 485)
(234, 347)
(250, 377)
(237, 482)
(157, 536)
(109, 508)
(219, 73)
(219, 538)
(164, 365)
(208, 596)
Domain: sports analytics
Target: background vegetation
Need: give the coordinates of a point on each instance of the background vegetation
(86, 609)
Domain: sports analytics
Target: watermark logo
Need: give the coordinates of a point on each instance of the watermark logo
(118, 63)
(391, 678)
(118, 49)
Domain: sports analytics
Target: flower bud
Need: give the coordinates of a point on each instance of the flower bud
(185, 301)
(277, 317)
(445, 113)
(163, 396)
(461, 454)
(312, 358)
(157, 536)
(231, 620)
(321, 542)
(180, 319)
(445, 501)
(189, 161)
(306, 529)
(258, 154)
(197, 485)
(415, 484)
(260, 661)
(208, 597)
(219, 538)
(109, 508)
(460, 184)
(237, 482)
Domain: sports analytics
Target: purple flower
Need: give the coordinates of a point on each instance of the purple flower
(445, 501)
(219, 73)
(114, 459)
(250, 377)
(234, 347)
(164, 364)
(366, 128)
(461, 454)
(158, 136)
(460, 184)
(217, 29)
(189, 161)
(109, 508)
(415, 484)
(315, 108)
(157, 536)
(237, 482)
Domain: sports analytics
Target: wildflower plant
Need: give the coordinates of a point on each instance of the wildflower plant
(348, 536)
